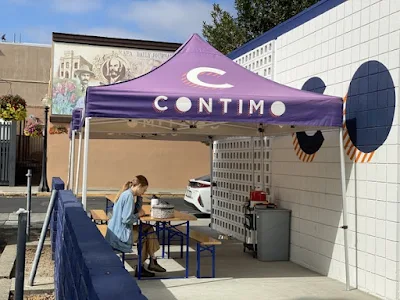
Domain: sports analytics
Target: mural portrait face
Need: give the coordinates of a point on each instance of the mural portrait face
(84, 78)
(114, 70)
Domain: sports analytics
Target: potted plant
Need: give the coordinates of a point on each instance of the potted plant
(58, 130)
(12, 108)
(33, 127)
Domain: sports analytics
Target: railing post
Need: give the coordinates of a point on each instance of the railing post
(21, 247)
(28, 202)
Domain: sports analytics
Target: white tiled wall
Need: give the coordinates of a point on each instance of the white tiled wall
(260, 60)
(236, 172)
(332, 47)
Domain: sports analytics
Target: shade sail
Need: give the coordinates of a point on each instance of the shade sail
(198, 83)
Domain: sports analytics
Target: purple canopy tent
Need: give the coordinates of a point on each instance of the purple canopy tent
(200, 94)
(74, 128)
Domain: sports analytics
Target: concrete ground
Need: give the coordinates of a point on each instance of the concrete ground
(240, 276)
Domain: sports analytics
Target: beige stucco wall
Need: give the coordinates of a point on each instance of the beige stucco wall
(167, 165)
(27, 68)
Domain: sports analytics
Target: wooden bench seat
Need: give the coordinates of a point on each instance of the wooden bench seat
(99, 215)
(102, 228)
(199, 237)
(203, 243)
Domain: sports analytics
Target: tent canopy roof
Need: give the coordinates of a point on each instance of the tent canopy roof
(201, 85)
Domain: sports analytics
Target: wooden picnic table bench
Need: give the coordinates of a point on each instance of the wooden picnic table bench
(203, 243)
(99, 215)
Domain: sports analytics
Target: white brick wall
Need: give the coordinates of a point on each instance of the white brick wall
(332, 47)
(235, 175)
(260, 60)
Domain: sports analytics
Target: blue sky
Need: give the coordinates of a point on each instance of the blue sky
(161, 20)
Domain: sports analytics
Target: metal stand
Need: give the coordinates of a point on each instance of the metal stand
(28, 202)
(43, 186)
(85, 163)
(71, 183)
(78, 165)
(21, 247)
(250, 225)
(42, 237)
(345, 226)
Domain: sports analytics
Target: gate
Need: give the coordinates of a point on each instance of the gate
(7, 152)
(29, 156)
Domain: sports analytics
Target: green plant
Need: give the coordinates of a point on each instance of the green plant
(12, 108)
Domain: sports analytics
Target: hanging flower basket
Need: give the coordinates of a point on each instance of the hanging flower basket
(35, 129)
(12, 108)
(58, 130)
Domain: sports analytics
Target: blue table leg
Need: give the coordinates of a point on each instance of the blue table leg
(163, 242)
(187, 249)
(169, 243)
(198, 260)
(158, 230)
(140, 251)
(213, 261)
(181, 246)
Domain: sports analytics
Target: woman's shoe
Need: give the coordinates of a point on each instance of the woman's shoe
(144, 272)
(154, 266)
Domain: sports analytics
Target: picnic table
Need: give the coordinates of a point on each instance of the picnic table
(181, 218)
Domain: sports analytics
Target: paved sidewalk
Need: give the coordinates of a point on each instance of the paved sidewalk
(11, 219)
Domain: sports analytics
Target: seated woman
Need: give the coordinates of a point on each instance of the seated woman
(123, 228)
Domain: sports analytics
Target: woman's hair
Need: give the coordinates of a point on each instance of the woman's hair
(137, 180)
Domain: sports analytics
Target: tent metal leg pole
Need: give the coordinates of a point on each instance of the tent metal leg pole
(78, 164)
(252, 163)
(72, 160)
(69, 164)
(262, 138)
(345, 226)
(85, 163)
(212, 181)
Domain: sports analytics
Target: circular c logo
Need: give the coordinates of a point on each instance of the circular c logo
(193, 77)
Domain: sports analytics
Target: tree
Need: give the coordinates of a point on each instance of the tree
(224, 33)
(254, 17)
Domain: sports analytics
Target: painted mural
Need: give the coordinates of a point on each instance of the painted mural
(75, 67)
(368, 112)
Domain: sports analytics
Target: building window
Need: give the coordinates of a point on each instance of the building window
(260, 62)
(62, 65)
(76, 65)
(269, 58)
(265, 72)
(270, 47)
(67, 65)
(257, 63)
(269, 71)
(261, 50)
(66, 74)
(258, 52)
(62, 74)
(265, 60)
(254, 54)
(253, 66)
(266, 48)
